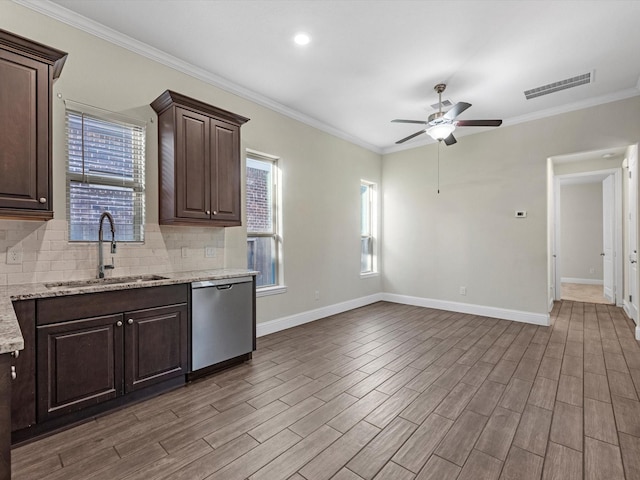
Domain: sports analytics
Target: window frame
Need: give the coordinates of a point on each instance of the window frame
(276, 221)
(137, 184)
(372, 234)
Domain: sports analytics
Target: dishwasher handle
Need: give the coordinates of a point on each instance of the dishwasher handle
(223, 282)
(228, 286)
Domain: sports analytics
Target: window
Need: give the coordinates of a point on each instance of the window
(263, 241)
(105, 172)
(367, 227)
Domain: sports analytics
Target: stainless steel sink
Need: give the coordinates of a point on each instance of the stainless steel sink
(104, 281)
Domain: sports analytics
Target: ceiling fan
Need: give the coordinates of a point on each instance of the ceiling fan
(440, 125)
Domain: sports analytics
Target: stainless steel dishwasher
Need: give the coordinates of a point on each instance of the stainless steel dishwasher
(221, 320)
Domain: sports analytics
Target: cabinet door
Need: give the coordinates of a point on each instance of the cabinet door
(156, 345)
(24, 133)
(225, 171)
(79, 364)
(23, 394)
(5, 416)
(193, 192)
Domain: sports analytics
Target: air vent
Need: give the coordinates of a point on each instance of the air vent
(557, 86)
(445, 104)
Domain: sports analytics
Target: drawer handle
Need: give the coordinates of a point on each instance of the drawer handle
(119, 323)
(14, 374)
(130, 321)
(15, 353)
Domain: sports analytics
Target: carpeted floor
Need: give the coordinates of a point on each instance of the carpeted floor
(577, 292)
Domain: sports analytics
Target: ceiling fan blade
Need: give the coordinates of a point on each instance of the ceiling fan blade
(450, 140)
(398, 120)
(410, 137)
(479, 123)
(456, 110)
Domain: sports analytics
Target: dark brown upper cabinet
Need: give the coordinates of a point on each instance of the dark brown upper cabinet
(27, 72)
(199, 162)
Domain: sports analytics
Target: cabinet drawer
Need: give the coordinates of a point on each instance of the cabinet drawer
(72, 307)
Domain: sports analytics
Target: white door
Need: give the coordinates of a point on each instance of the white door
(608, 207)
(633, 234)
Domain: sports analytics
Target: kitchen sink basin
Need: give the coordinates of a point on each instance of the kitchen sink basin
(104, 281)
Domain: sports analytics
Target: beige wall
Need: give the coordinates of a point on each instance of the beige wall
(581, 231)
(468, 235)
(321, 178)
(433, 244)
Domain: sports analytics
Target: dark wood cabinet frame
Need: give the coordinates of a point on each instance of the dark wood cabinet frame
(199, 162)
(27, 72)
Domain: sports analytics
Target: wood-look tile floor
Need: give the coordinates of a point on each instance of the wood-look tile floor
(386, 391)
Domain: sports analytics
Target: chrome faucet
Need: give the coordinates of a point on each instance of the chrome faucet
(101, 265)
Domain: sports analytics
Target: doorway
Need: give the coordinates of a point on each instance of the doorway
(586, 227)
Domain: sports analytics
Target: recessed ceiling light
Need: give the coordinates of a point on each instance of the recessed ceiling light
(302, 38)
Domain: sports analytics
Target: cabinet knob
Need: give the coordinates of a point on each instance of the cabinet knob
(130, 321)
(14, 374)
(43, 200)
(208, 212)
(215, 212)
(119, 323)
(15, 354)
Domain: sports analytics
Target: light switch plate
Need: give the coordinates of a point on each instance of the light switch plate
(210, 252)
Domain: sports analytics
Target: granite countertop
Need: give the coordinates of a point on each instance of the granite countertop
(10, 335)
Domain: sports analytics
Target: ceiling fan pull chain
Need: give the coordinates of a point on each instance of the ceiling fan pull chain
(439, 142)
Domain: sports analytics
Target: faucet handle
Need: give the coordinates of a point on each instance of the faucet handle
(112, 266)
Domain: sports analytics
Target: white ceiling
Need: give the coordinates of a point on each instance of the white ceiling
(372, 61)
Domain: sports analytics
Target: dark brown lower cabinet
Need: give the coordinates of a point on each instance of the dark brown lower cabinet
(156, 346)
(79, 364)
(91, 360)
(101, 350)
(23, 393)
(5, 416)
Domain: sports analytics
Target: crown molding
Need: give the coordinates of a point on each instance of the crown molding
(92, 27)
(64, 15)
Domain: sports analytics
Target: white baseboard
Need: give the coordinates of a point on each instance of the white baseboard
(583, 281)
(494, 312)
(627, 309)
(272, 326)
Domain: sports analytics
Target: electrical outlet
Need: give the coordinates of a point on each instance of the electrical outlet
(14, 256)
(210, 252)
(463, 290)
(184, 251)
(317, 295)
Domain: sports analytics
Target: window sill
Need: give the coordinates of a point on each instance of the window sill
(266, 291)
(369, 274)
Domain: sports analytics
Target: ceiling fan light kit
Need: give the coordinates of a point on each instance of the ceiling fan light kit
(441, 125)
(441, 131)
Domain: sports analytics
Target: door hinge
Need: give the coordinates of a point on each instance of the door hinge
(630, 299)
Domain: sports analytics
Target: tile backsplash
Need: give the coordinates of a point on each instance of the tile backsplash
(48, 256)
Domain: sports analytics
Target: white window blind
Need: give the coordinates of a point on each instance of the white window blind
(105, 172)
